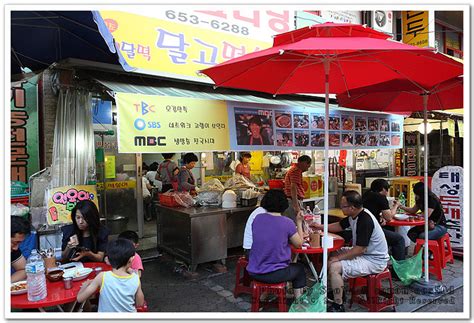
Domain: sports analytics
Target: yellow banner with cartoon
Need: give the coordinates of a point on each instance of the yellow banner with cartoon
(154, 124)
(61, 201)
(179, 43)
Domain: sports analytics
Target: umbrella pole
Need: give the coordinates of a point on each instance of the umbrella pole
(326, 176)
(425, 286)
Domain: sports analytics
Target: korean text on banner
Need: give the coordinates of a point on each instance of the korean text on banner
(109, 166)
(415, 28)
(179, 43)
(448, 186)
(61, 201)
(153, 124)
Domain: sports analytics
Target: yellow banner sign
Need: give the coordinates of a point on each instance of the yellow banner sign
(62, 200)
(117, 185)
(180, 42)
(153, 124)
(109, 166)
(415, 28)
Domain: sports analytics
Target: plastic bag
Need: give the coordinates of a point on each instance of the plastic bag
(209, 198)
(238, 182)
(19, 209)
(183, 198)
(213, 185)
(313, 300)
(410, 269)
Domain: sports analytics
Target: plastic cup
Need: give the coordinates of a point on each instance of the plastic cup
(67, 282)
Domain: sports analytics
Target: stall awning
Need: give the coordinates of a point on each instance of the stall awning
(207, 93)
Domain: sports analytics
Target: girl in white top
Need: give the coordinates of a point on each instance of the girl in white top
(120, 289)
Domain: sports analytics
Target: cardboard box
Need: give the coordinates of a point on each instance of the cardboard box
(306, 187)
(316, 186)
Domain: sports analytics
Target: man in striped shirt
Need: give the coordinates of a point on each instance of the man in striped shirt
(294, 190)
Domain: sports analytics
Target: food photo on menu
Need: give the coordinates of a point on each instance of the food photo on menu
(283, 119)
(360, 124)
(317, 139)
(384, 140)
(360, 139)
(384, 125)
(301, 120)
(301, 138)
(334, 139)
(347, 139)
(317, 121)
(334, 123)
(373, 124)
(373, 140)
(395, 140)
(347, 123)
(284, 138)
(395, 126)
(253, 126)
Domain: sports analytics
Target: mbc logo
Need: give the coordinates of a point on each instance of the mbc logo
(150, 141)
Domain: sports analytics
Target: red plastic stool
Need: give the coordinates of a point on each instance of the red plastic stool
(376, 298)
(435, 265)
(258, 288)
(242, 284)
(445, 250)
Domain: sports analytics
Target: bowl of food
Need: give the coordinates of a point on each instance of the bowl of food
(55, 275)
(19, 288)
(78, 274)
(401, 217)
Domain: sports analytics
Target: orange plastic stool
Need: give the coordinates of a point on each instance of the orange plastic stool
(258, 288)
(376, 298)
(445, 250)
(435, 265)
(242, 284)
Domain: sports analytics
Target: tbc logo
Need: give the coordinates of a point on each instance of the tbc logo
(150, 141)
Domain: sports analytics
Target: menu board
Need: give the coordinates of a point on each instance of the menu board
(277, 127)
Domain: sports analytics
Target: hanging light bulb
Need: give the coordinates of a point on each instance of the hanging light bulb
(421, 128)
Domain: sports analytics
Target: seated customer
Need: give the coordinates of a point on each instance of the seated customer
(247, 243)
(270, 256)
(20, 228)
(369, 253)
(85, 239)
(375, 200)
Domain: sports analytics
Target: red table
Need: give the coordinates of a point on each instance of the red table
(338, 243)
(57, 295)
(401, 223)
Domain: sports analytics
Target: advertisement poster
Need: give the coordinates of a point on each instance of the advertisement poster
(272, 128)
(24, 130)
(61, 201)
(448, 184)
(154, 124)
(382, 21)
(178, 43)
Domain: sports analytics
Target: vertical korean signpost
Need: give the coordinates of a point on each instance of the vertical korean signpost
(448, 186)
(411, 160)
(415, 28)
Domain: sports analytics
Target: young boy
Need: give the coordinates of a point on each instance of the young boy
(132, 236)
(120, 291)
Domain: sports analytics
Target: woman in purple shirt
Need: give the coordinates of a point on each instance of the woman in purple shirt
(272, 233)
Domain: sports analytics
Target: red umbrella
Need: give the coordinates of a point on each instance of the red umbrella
(401, 96)
(319, 62)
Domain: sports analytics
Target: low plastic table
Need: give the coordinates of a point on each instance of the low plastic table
(57, 295)
(337, 244)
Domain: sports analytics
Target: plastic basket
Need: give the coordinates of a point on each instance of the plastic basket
(18, 188)
(25, 200)
(276, 184)
(168, 200)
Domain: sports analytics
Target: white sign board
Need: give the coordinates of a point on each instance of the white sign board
(382, 21)
(447, 184)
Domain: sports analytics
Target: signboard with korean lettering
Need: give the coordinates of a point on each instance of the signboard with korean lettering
(24, 131)
(179, 42)
(411, 154)
(447, 184)
(310, 17)
(274, 127)
(61, 201)
(415, 28)
(153, 124)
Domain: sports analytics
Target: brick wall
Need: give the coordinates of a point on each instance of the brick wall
(49, 104)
